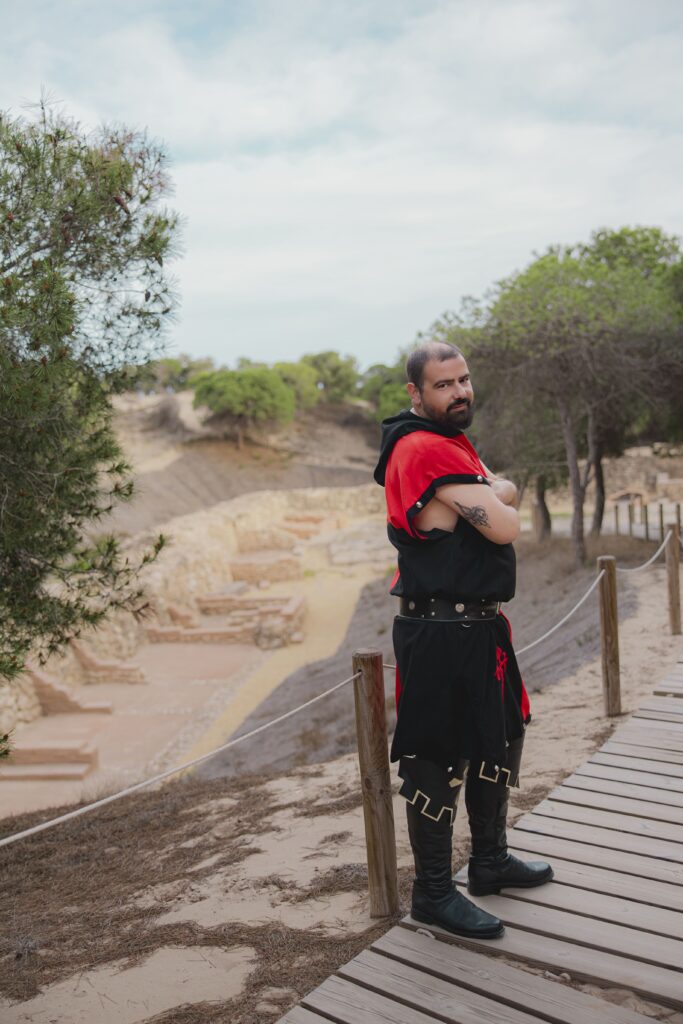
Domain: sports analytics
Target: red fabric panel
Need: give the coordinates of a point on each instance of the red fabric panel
(525, 703)
(416, 461)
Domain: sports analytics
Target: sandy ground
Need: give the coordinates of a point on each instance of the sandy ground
(253, 892)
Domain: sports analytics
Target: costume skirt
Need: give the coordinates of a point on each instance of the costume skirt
(460, 694)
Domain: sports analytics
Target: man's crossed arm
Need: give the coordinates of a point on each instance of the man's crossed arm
(490, 509)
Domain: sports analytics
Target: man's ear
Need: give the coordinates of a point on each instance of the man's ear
(414, 393)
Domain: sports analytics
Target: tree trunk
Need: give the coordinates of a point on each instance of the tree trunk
(542, 518)
(599, 511)
(578, 491)
(240, 439)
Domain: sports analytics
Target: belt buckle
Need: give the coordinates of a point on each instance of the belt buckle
(495, 778)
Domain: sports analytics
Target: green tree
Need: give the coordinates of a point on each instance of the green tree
(657, 257)
(581, 337)
(83, 293)
(246, 397)
(302, 379)
(174, 373)
(337, 375)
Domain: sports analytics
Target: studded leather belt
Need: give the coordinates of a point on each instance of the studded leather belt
(442, 608)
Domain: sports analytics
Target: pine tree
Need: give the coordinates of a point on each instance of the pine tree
(83, 294)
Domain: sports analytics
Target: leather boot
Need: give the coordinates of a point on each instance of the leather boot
(491, 867)
(435, 897)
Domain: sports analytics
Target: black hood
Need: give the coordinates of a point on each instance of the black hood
(395, 427)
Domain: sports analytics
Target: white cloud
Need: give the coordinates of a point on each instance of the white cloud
(348, 170)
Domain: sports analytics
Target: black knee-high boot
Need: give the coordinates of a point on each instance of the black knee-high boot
(430, 827)
(491, 866)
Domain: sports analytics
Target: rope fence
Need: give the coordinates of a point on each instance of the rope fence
(370, 712)
(172, 771)
(650, 561)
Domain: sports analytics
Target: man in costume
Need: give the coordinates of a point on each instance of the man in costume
(462, 706)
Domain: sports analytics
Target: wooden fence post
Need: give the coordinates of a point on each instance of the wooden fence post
(609, 631)
(678, 515)
(673, 561)
(646, 519)
(616, 519)
(373, 757)
(661, 521)
(630, 518)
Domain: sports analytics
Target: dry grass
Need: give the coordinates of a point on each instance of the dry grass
(95, 867)
(348, 802)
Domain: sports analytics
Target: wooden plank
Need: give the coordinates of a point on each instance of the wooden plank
(611, 883)
(345, 1003)
(657, 950)
(617, 804)
(655, 716)
(638, 735)
(663, 690)
(642, 764)
(298, 1015)
(658, 983)
(670, 704)
(432, 995)
(670, 730)
(618, 910)
(627, 789)
(611, 819)
(647, 733)
(674, 727)
(603, 837)
(662, 714)
(548, 846)
(650, 753)
(650, 731)
(638, 778)
(553, 1001)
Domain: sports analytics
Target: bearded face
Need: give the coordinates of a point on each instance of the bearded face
(446, 395)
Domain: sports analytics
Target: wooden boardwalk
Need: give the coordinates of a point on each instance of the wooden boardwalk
(613, 916)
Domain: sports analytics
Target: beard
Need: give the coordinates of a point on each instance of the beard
(455, 418)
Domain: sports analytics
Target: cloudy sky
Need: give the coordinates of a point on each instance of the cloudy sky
(349, 169)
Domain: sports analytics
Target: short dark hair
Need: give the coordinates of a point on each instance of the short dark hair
(420, 356)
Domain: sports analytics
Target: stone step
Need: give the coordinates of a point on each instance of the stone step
(266, 566)
(227, 604)
(57, 699)
(99, 670)
(44, 772)
(177, 635)
(48, 753)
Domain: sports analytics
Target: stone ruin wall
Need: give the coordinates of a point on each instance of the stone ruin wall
(195, 562)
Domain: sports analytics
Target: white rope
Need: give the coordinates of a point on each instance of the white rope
(646, 565)
(567, 616)
(171, 771)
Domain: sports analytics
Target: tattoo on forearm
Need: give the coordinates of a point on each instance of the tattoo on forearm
(475, 514)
